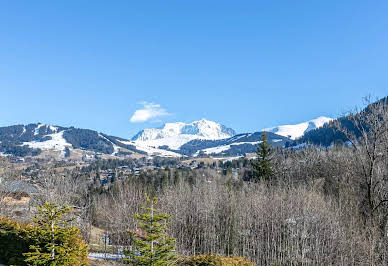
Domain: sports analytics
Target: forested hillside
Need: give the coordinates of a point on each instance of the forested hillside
(329, 133)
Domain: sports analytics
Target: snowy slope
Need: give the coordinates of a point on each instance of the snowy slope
(174, 135)
(150, 150)
(220, 149)
(237, 145)
(298, 130)
(57, 142)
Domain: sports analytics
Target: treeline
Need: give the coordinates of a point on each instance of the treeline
(18, 150)
(309, 213)
(330, 133)
(87, 139)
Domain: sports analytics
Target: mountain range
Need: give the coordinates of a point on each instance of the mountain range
(199, 138)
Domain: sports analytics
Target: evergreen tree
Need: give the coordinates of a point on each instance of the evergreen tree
(262, 165)
(54, 241)
(151, 244)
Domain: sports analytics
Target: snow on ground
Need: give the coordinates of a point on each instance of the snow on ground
(116, 148)
(24, 131)
(105, 256)
(297, 130)
(227, 159)
(57, 142)
(173, 142)
(174, 135)
(55, 129)
(220, 149)
(36, 131)
(214, 150)
(238, 137)
(151, 150)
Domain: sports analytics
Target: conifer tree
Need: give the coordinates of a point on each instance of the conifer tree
(55, 242)
(262, 165)
(151, 244)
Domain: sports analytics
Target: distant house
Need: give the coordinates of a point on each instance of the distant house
(15, 198)
(15, 159)
(17, 187)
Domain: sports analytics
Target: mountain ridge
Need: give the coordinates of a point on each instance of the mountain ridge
(294, 131)
(174, 135)
(198, 138)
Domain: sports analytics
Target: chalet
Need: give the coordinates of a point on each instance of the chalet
(15, 197)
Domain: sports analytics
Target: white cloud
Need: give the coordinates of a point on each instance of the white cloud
(149, 111)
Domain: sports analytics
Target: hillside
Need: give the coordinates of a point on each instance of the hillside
(298, 130)
(328, 134)
(32, 139)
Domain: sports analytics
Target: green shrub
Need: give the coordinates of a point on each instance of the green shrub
(14, 241)
(21, 242)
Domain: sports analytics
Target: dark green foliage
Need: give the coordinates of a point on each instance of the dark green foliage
(54, 241)
(88, 139)
(12, 137)
(261, 167)
(17, 150)
(118, 142)
(329, 133)
(193, 146)
(20, 133)
(14, 241)
(151, 244)
(26, 244)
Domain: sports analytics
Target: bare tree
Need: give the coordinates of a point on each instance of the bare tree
(370, 143)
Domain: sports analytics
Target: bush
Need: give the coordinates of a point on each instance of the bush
(14, 241)
(17, 240)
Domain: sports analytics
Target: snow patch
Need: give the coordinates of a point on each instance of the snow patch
(223, 148)
(151, 150)
(57, 142)
(36, 130)
(24, 131)
(173, 142)
(298, 130)
(116, 148)
(54, 129)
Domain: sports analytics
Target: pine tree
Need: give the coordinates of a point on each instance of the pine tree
(55, 242)
(262, 165)
(151, 244)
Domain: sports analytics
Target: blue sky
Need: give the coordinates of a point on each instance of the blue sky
(114, 66)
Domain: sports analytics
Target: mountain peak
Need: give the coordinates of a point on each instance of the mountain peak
(176, 134)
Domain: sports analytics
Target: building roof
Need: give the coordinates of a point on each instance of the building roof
(17, 186)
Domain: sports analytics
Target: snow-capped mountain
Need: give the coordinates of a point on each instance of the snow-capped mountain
(237, 145)
(174, 135)
(61, 142)
(295, 131)
(199, 138)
